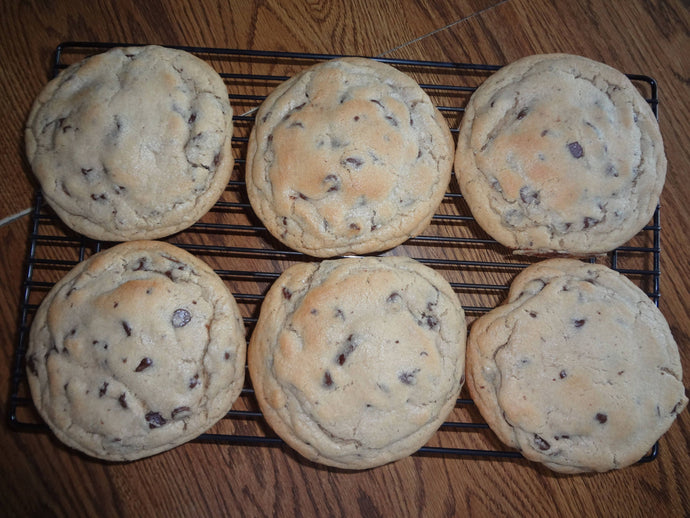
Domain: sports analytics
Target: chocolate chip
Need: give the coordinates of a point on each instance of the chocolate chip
(122, 400)
(327, 379)
(354, 161)
(544, 133)
(522, 114)
(355, 118)
(97, 197)
(376, 102)
(394, 298)
(192, 118)
(408, 377)
(533, 314)
(562, 374)
(180, 411)
(103, 389)
(155, 420)
(528, 195)
(194, 381)
(602, 418)
(181, 317)
(216, 160)
(334, 182)
(590, 222)
(429, 321)
(576, 149)
(391, 120)
(350, 345)
(287, 294)
(355, 226)
(226, 356)
(86, 172)
(144, 364)
(140, 266)
(541, 443)
(127, 329)
(579, 322)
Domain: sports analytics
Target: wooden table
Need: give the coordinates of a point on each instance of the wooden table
(39, 477)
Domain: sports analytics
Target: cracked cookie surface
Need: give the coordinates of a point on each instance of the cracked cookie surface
(560, 154)
(133, 143)
(348, 157)
(136, 350)
(577, 369)
(356, 362)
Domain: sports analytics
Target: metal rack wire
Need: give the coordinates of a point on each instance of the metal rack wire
(233, 241)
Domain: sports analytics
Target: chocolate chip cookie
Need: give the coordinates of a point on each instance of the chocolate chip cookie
(356, 362)
(133, 143)
(559, 154)
(348, 157)
(578, 369)
(135, 351)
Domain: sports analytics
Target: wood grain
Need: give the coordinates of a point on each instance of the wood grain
(40, 477)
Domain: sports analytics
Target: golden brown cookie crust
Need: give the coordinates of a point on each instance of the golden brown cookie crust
(348, 157)
(560, 154)
(136, 350)
(133, 143)
(357, 362)
(577, 369)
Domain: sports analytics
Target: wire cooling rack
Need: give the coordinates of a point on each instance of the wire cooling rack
(232, 240)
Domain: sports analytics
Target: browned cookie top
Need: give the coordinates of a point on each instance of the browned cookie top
(136, 350)
(560, 154)
(349, 156)
(357, 362)
(578, 369)
(133, 143)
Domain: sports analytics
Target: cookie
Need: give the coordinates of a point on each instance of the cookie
(357, 362)
(136, 350)
(559, 154)
(577, 369)
(133, 143)
(349, 156)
